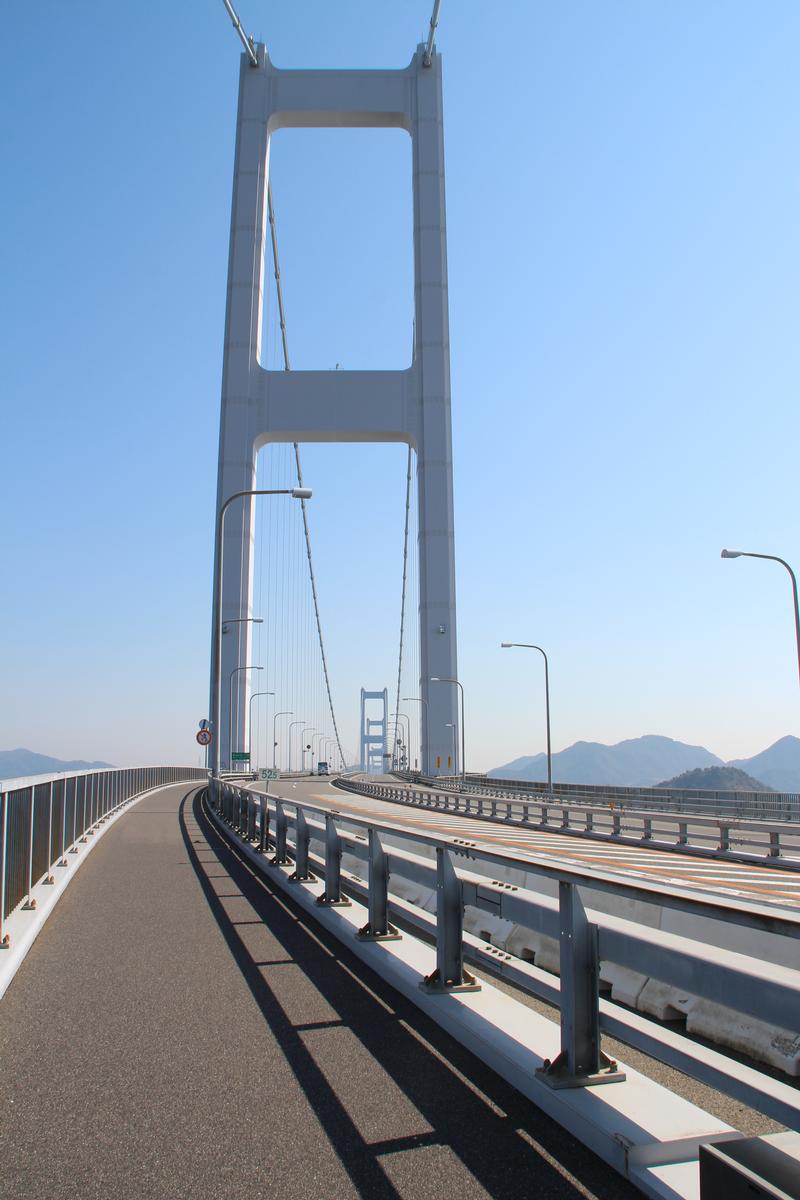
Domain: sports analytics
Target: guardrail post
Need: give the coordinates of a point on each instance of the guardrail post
(301, 873)
(774, 844)
(724, 838)
(74, 846)
(683, 834)
(5, 939)
(647, 829)
(378, 928)
(63, 859)
(281, 857)
(251, 819)
(615, 824)
(263, 837)
(50, 878)
(332, 896)
(581, 1062)
(30, 903)
(449, 975)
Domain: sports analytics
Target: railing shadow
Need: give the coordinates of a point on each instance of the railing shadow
(510, 1147)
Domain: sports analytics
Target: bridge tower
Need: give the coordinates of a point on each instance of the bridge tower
(372, 743)
(410, 406)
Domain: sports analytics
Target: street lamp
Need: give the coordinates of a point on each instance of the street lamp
(298, 493)
(235, 671)
(450, 725)
(441, 679)
(287, 712)
(402, 716)
(421, 700)
(252, 698)
(241, 621)
(528, 646)
(291, 727)
(308, 729)
(783, 562)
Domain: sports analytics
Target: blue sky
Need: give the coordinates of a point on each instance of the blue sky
(623, 191)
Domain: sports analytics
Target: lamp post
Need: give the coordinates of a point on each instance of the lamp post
(783, 562)
(421, 700)
(399, 716)
(291, 727)
(303, 732)
(441, 679)
(252, 698)
(450, 725)
(287, 712)
(241, 621)
(528, 646)
(318, 753)
(298, 493)
(235, 671)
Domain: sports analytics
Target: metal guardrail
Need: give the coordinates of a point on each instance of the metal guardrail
(766, 842)
(734, 980)
(41, 823)
(757, 806)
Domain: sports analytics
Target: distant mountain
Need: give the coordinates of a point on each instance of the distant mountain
(778, 766)
(637, 762)
(15, 764)
(716, 779)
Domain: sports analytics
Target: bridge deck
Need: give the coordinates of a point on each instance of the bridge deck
(178, 1029)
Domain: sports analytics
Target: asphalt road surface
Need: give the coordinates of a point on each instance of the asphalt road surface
(181, 1030)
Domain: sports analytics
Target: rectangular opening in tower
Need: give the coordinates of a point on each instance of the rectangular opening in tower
(344, 218)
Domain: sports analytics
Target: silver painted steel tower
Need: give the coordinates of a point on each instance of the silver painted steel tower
(410, 406)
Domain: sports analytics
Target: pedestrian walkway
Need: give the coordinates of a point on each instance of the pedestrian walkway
(179, 1030)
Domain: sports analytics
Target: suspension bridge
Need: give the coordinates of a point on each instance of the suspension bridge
(404, 978)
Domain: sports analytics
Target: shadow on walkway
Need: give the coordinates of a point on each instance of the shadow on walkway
(509, 1146)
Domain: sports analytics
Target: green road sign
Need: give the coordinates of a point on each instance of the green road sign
(269, 773)
(240, 756)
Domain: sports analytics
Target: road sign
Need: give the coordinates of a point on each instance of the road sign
(269, 773)
(205, 724)
(204, 737)
(240, 756)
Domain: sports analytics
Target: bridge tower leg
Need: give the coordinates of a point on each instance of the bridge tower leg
(410, 406)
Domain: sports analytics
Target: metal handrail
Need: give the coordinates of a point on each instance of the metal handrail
(757, 805)
(43, 819)
(775, 844)
(733, 979)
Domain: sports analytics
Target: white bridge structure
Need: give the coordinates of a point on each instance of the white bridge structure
(475, 900)
(410, 406)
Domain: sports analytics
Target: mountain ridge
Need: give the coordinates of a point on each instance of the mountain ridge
(648, 760)
(20, 763)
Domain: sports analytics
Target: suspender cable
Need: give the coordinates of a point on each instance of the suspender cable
(402, 608)
(299, 470)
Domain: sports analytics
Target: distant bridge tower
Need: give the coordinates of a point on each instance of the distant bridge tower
(374, 731)
(410, 406)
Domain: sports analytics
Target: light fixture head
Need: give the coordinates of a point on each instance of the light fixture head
(302, 493)
(731, 553)
(506, 645)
